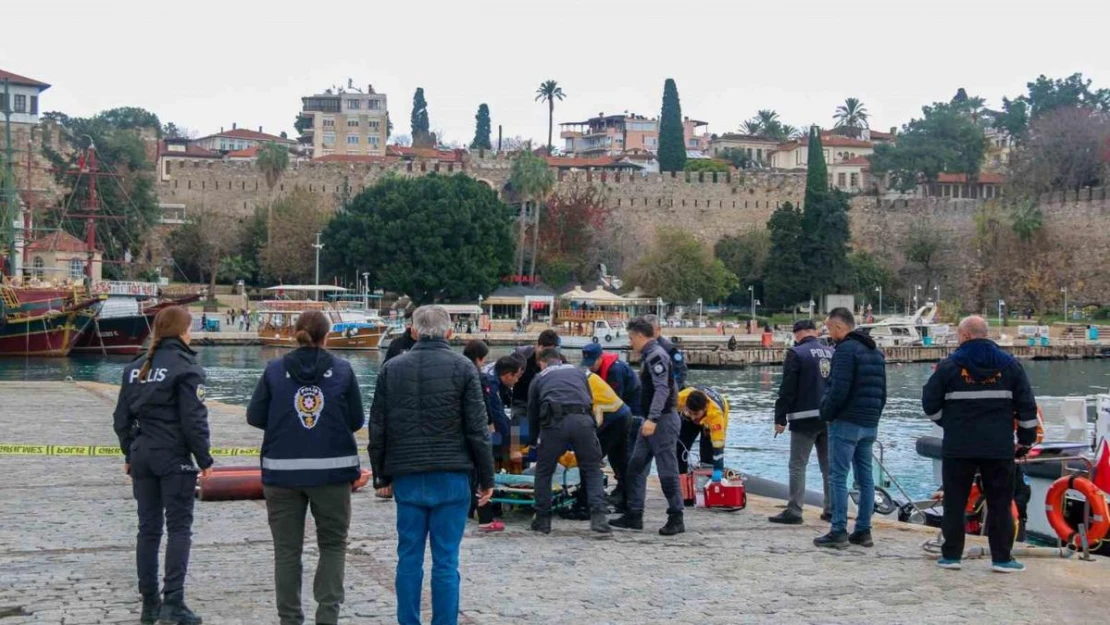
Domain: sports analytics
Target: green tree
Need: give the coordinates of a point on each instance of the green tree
(707, 165)
(785, 282)
(201, 246)
(574, 236)
(272, 161)
(751, 127)
(947, 139)
(869, 273)
(1044, 95)
(302, 124)
(532, 180)
(433, 238)
(549, 91)
(679, 268)
(125, 197)
(923, 247)
(1026, 220)
(851, 116)
(737, 157)
(481, 129)
(825, 224)
(672, 142)
(421, 130)
(745, 255)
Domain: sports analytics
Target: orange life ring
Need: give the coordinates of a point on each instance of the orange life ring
(976, 501)
(1054, 506)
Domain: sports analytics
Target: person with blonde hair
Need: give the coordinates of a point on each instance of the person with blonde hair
(162, 425)
(310, 406)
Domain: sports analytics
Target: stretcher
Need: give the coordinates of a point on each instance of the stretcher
(519, 490)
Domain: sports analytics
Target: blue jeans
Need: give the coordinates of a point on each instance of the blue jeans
(430, 507)
(850, 446)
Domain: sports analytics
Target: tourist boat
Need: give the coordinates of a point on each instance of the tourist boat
(349, 331)
(608, 335)
(919, 329)
(124, 320)
(42, 322)
(1067, 449)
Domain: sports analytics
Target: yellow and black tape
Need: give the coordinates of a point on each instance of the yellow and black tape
(7, 449)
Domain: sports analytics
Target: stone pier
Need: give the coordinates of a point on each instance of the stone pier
(67, 531)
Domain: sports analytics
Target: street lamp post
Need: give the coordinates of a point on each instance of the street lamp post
(879, 289)
(1000, 305)
(366, 286)
(1065, 292)
(659, 308)
(751, 291)
(699, 309)
(916, 288)
(318, 246)
(812, 306)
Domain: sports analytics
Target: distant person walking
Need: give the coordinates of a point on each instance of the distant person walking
(855, 396)
(309, 404)
(428, 433)
(805, 370)
(979, 395)
(162, 425)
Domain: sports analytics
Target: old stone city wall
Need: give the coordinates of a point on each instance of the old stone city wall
(707, 205)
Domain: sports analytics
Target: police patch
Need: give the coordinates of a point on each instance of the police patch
(202, 392)
(658, 368)
(677, 357)
(309, 403)
(825, 365)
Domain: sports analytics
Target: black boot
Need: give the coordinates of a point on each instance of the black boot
(786, 517)
(674, 525)
(175, 612)
(832, 540)
(541, 523)
(600, 523)
(629, 521)
(152, 607)
(863, 539)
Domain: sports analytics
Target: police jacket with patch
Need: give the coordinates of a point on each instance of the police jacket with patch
(678, 361)
(978, 395)
(429, 415)
(164, 412)
(856, 389)
(557, 391)
(805, 370)
(310, 406)
(622, 379)
(658, 395)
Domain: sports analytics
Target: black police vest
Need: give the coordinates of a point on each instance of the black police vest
(815, 362)
(647, 384)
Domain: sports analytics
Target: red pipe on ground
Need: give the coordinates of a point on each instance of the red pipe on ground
(244, 483)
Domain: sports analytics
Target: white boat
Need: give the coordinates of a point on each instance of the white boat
(608, 335)
(919, 329)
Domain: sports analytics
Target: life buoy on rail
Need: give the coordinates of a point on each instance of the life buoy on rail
(973, 511)
(594, 339)
(1054, 508)
(608, 338)
(350, 332)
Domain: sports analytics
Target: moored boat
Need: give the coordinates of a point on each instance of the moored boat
(40, 324)
(278, 318)
(124, 320)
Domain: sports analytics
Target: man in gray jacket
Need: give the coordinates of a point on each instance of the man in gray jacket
(428, 433)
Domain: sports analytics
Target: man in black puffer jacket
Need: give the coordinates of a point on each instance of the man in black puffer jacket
(855, 396)
(428, 433)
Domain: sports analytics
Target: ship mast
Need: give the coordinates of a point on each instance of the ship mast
(11, 208)
(90, 167)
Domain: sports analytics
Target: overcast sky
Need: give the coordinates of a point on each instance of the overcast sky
(204, 64)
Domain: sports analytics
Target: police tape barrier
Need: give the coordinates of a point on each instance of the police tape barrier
(7, 449)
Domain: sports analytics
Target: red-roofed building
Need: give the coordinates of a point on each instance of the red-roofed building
(22, 99)
(987, 185)
(60, 256)
(175, 152)
(241, 139)
(603, 162)
(837, 148)
(612, 135)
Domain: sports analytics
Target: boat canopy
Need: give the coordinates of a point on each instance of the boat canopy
(308, 288)
(596, 296)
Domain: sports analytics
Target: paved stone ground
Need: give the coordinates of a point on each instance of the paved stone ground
(67, 529)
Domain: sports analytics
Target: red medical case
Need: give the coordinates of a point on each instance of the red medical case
(730, 496)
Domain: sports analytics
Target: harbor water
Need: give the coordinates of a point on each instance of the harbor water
(752, 446)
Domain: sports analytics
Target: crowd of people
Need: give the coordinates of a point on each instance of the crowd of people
(443, 424)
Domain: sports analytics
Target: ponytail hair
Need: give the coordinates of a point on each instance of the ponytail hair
(170, 323)
(311, 329)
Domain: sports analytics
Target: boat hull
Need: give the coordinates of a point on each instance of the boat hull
(50, 335)
(362, 339)
(115, 335)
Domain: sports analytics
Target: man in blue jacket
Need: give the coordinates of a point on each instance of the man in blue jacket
(614, 432)
(855, 396)
(980, 395)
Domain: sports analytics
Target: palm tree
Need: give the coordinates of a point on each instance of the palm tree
(790, 132)
(272, 160)
(532, 180)
(550, 91)
(851, 115)
(751, 127)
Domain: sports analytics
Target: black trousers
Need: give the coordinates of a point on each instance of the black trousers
(579, 432)
(686, 436)
(165, 495)
(613, 437)
(998, 487)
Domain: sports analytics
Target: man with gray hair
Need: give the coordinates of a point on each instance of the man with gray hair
(428, 434)
(980, 395)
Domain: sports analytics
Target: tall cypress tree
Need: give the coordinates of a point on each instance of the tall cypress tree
(421, 134)
(481, 129)
(672, 142)
(785, 280)
(825, 225)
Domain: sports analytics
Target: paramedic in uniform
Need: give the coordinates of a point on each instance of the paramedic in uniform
(560, 410)
(705, 416)
(805, 369)
(162, 425)
(657, 438)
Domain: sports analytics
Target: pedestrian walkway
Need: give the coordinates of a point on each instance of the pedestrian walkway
(67, 530)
